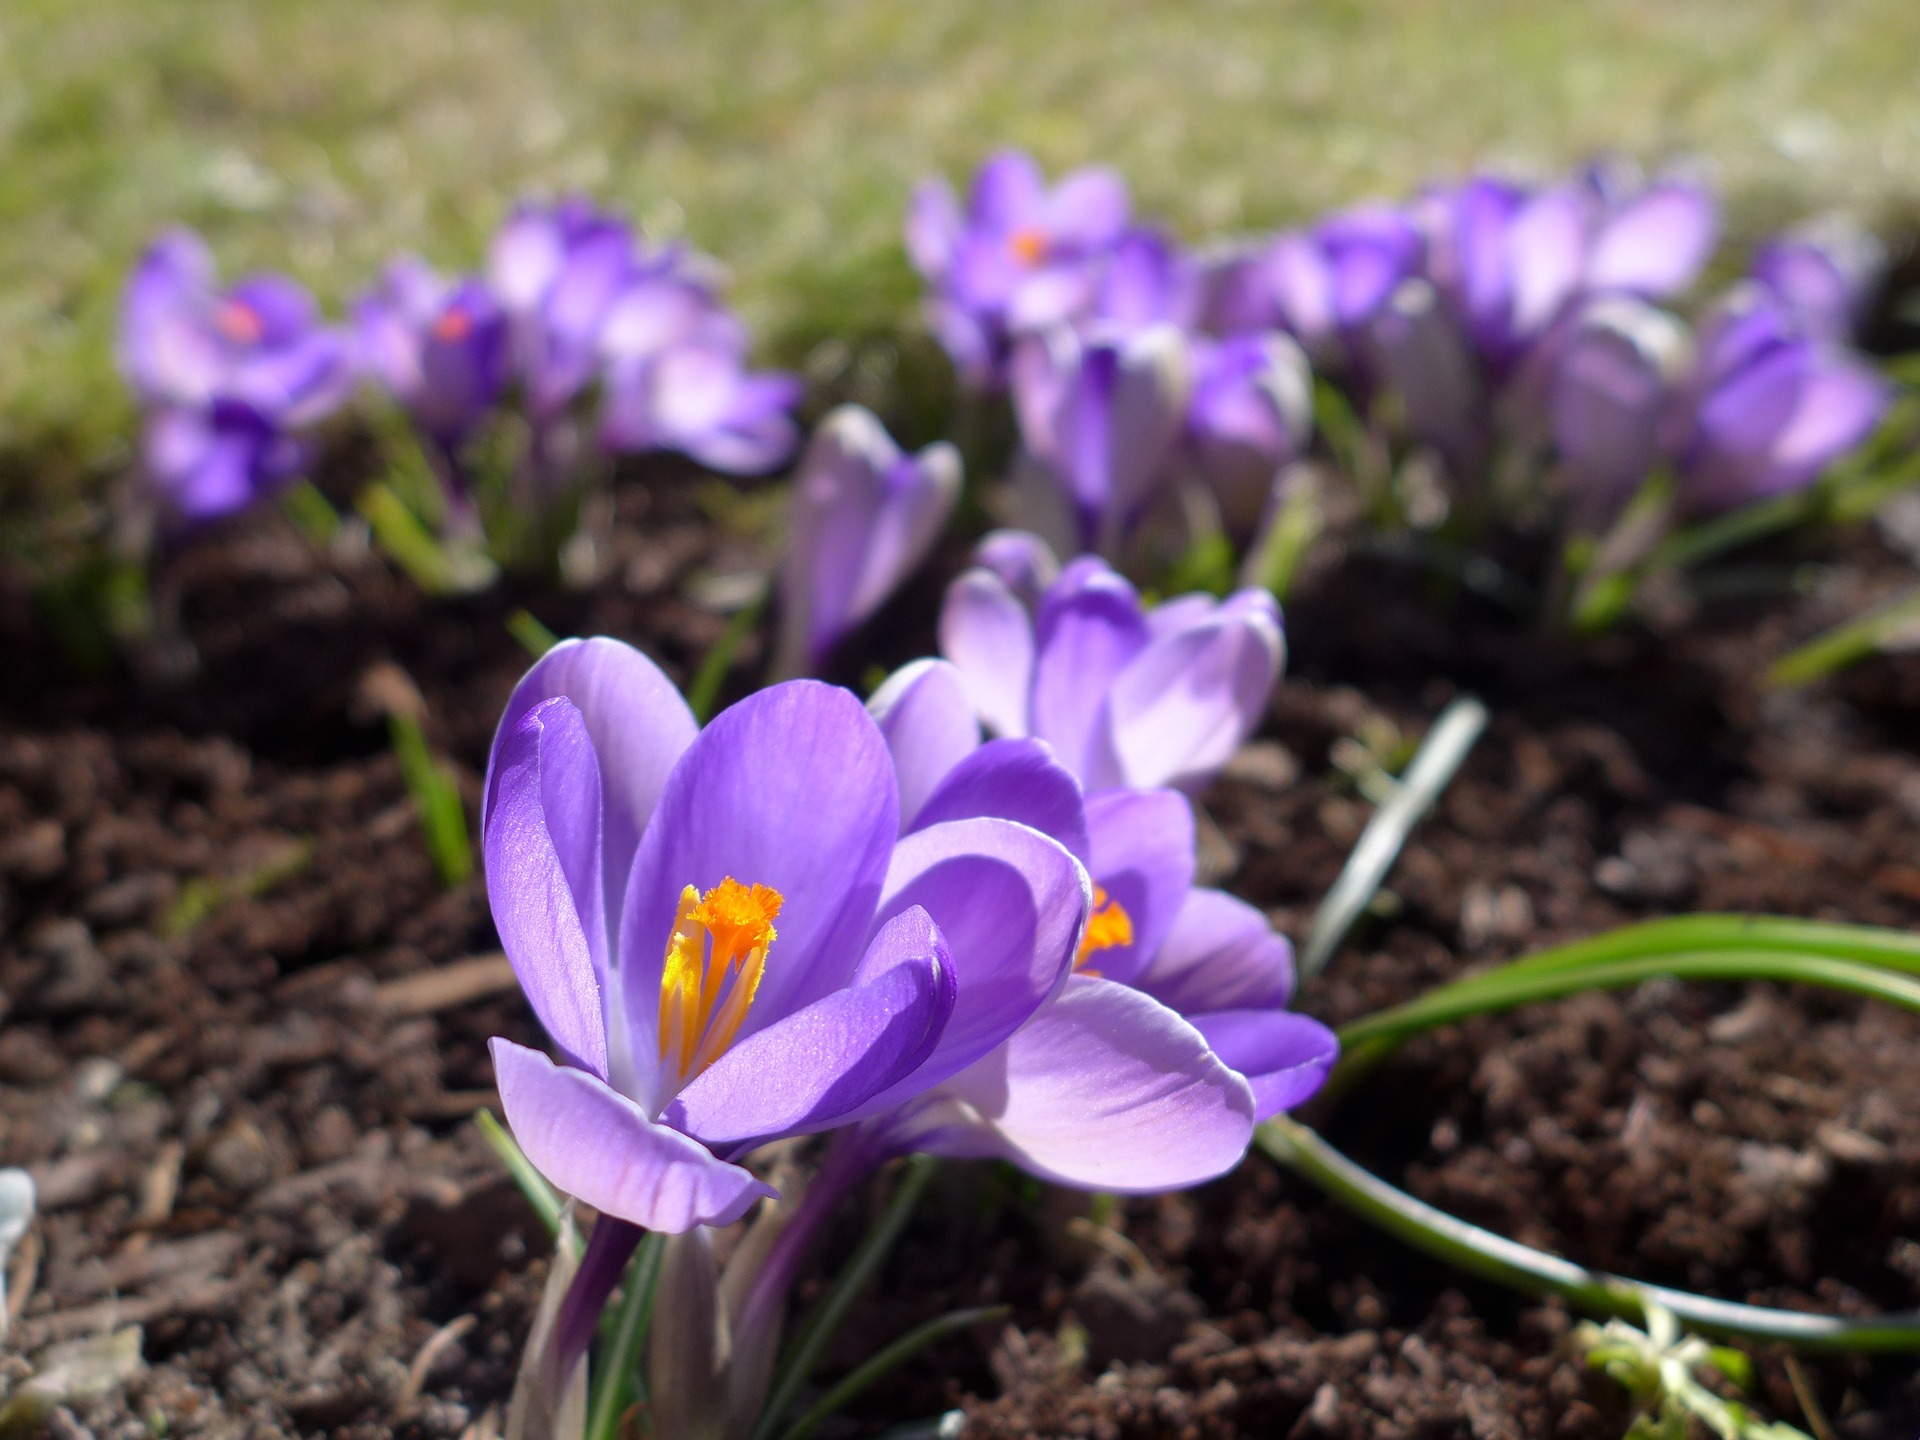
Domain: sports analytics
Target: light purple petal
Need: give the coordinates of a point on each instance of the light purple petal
(1143, 858)
(1108, 1089)
(1014, 780)
(822, 1063)
(988, 636)
(1221, 954)
(833, 512)
(542, 847)
(790, 788)
(1178, 712)
(1090, 628)
(639, 725)
(1656, 243)
(1023, 561)
(1613, 384)
(1087, 209)
(929, 725)
(918, 492)
(933, 227)
(1011, 904)
(1149, 410)
(1007, 192)
(1302, 284)
(1424, 355)
(1546, 248)
(594, 1143)
(1285, 1057)
(526, 257)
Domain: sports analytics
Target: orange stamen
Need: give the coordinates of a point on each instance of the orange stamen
(1029, 245)
(1109, 925)
(239, 322)
(453, 326)
(715, 958)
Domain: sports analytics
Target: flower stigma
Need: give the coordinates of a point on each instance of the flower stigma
(1109, 925)
(453, 326)
(714, 961)
(1028, 244)
(239, 322)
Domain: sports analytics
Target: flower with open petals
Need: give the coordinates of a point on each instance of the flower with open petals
(700, 399)
(438, 346)
(863, 515)
(228, 376)
(726, 937)
(1019, 257)
(1329, 282)
(1126, 696)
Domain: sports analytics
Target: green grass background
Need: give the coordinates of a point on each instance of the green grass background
(322, 136)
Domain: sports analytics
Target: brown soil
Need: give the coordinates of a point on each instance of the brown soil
(250, 1132)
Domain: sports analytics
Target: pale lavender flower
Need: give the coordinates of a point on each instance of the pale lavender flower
(862, 517)
(700, 399)
(1614, 391)
(438, 346)
(1826, 273)
(1251, 414)
(1329, 282)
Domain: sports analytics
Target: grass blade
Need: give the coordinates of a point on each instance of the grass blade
(535, 638)
(443, 819)
(617, 1380)
(898, 1353)
(1853, 640)
(704, 692)
(1521, 1267)
(544, 1199)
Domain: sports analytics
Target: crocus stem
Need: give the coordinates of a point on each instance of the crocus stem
(1507, 1262)
(1434, 765)
(609, 1248)
(540, 1195)
(1841, 646)
(704, 692)
(800, 1360)
(900, 1351)
(620, 1366)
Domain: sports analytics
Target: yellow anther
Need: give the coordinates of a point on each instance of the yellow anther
(1029, 245)
(1109, 925)
(714, 961)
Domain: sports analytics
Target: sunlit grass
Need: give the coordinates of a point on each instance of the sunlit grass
(324, 136)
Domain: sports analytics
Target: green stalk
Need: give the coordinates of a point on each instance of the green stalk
(898, 1353)
(535, 638)
(545, 1200)
(619, 1369)
(704, 692)
(1521, 1267)
(805, 1353)
(1371, 1038)
(1848, 642)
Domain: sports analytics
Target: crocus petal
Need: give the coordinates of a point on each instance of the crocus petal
(791, 788)
(1425, 357)
(1089, 629)
(918, 492)
(1285, 1057)
(1219, 954)
(1015, 780)
(832, 515)
(1088, 208)
(1546, 248)
(639, 725)
(929, 725)
(1010, 903)
(933, 227)
(1179, 711)
(988, 635)
(1656, 243)
(542, 846)
(1143, 858)
(594, 1143)
(1108, 1089)
(1613, 384)
(1006, 192)
(1149, 409)
(820, 1064)
(1024, 561)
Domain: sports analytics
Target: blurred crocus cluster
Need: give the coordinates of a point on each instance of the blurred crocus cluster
(607, 344)
(1487, 322)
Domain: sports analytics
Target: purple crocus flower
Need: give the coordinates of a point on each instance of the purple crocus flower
(1019, 257)
(438, 346)
(1826, 273)
(727, 947)
(1329, 282)
(227, 376)
(1614, 389)
(1199, 952)
(1421, 353)
(1769, 407)
(863, 516)
(1101, 413)
(557, 270)
(1126, 696)
(1251, 414)
(700, 399)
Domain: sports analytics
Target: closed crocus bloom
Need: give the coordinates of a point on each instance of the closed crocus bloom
(1124, 695)
(1769, 407)
(1250, 415)
(1202, 954)
(1018, 257)
(1826, 273)
(227, 375)
(1102, 412)
(727, 947)
(438, 346)
(1422, 355)
(862, 517)
(700, 399)
(1613, 391)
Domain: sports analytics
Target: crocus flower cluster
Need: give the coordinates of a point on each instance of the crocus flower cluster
(1139, 372)
(609, 344)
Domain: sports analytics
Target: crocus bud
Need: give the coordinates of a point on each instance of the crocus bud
(1422, 354)
(1770, 408)
(438, 347)
(1826, 273)
(1612, 390)
(690, 1347)
(1025, 563)
(1251, 414)
(863, 516)
(1102, 414)
(557, 271)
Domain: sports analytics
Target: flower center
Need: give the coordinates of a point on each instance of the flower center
(714, 960)
(453, 326)
(239, 322)
(1109, 925)
(1028, 244)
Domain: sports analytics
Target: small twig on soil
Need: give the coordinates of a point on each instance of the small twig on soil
(438, 1344)
(1810, 1407)
(446, 986)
